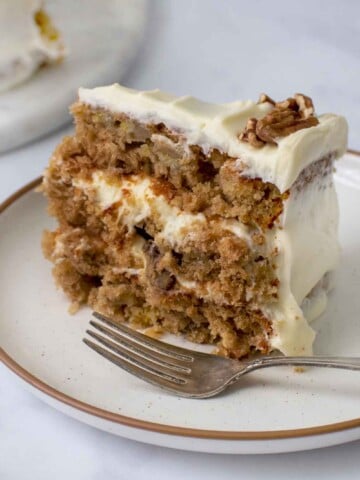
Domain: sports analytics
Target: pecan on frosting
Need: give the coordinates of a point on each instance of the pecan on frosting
(285, 118)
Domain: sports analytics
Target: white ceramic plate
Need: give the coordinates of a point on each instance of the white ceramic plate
(102, 37)
(277, 410)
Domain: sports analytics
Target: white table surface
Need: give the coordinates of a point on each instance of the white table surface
(219, 51)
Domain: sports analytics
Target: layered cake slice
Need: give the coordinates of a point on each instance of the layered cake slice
(216, 222)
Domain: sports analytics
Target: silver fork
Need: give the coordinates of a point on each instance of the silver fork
(183, 372)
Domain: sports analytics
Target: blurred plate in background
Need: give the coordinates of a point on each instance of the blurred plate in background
(101, 37)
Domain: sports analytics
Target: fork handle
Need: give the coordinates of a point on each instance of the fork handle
(346, 363)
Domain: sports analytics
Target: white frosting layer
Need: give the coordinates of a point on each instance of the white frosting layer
(310, 222)
(218, 126)
(137, 202)
(22, 47)
(307, 245)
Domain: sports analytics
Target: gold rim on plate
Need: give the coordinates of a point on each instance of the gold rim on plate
(152, 426)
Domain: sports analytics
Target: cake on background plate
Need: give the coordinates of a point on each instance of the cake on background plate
(28, 40)
(216, 222)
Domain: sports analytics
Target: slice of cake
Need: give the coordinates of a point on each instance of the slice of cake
(216, 222)
(28, 40)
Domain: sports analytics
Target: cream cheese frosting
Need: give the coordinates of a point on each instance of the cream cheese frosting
(24, 47)
(217, 126)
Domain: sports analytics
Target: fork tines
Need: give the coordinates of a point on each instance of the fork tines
(153, 361)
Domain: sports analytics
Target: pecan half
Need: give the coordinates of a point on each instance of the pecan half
(286, 117)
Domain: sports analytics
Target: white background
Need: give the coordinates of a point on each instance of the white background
(219, 51)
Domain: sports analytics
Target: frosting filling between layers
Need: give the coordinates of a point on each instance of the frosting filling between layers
(306, 242)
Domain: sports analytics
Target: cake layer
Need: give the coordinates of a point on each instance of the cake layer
(218, 127)
(209, 183)
(137, 198)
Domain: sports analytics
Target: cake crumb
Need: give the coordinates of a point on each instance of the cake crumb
(73, 308)
(299, 369)
(153, 332)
